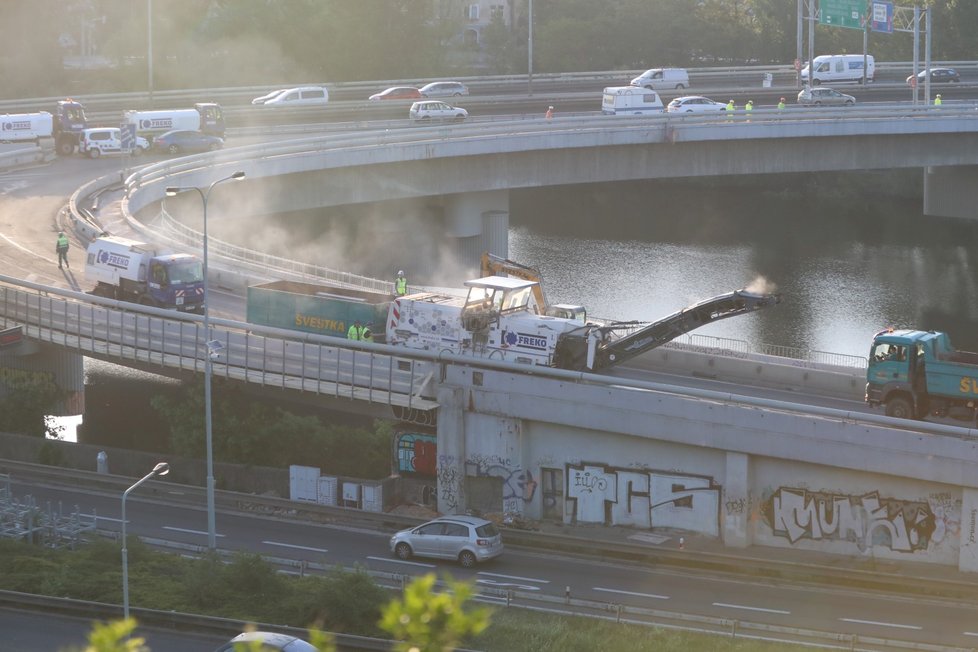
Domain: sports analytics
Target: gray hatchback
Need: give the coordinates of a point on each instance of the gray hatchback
(466, 539)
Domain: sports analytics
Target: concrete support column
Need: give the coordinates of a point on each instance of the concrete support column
(451, 450)
(951, 191)
(480, 222)
(968, 553)
(735, 503)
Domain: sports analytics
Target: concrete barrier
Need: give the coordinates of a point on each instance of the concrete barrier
(15, 155)
(758, 370)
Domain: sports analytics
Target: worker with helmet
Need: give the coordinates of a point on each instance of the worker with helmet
(937, 100)
(781, 104)
(731, 107)
(400, 284)
(366, 335)
(550, 112)
(61, 248)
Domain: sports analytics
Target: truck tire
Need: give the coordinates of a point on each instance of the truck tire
(899, 407)
(65, 147)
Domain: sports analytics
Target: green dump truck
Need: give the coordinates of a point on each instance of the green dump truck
(914, 374)
(316, 308)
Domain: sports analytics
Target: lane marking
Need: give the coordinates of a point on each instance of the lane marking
(971, 633)
(107, 518)
(635, 593)
(180, 529)
(745, 607)
(876, 622)
(401, 561)
(292, 545)
(25, 249)
(514, 577)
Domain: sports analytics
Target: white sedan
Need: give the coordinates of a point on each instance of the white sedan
(695, 104)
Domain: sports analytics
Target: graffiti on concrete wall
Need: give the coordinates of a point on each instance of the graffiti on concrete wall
(866, 520)
(519, 486)
(616, 496)
(415, 452)
(449, 484)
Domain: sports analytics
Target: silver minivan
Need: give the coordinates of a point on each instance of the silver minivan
(466, 539)
(658, 79)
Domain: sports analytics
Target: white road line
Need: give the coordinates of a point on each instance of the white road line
(25, 249)
(290, 545)
(106, 518)
(874, 622)
(971, 633)
(514, 577)
(640, 595)
(180, 529)
(740, 606)
(400, 561)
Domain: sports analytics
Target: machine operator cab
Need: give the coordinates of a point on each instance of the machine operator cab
(493, 296)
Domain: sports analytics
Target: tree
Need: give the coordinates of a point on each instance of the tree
(28, 398)
(425, 621)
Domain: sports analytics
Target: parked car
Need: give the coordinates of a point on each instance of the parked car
(304, 96)
(267, 96)
(937, 76)
(695, 104)
(180, 142)
(467, 539)
(398, 93)
(107, 140)
(823, 95)
(269, 641)
(444, 89)
(436, 110)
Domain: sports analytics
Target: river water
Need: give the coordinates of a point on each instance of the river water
(848, 261)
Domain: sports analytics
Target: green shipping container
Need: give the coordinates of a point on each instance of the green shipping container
(317, 308)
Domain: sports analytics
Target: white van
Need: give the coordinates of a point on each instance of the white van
(630, 100)
(658, 79)
(834, 68)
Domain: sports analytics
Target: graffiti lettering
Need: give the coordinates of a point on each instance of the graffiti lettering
(415, 453)
(644, 498)
(868, 520)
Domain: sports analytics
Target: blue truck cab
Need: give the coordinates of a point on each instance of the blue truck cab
(915, 373)
(177, 281)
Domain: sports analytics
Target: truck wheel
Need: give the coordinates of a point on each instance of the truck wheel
(680, 87)
(816, 82)
(65, 147)
(900, 408)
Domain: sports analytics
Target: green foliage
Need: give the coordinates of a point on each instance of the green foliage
(347, 601)
(258, 434)
(26, 401)
(425, 621)
(113, 636)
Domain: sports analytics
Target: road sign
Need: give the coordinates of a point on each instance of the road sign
(127, 134)
(882, 17)
(842, 13)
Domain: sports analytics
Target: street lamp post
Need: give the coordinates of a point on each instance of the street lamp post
(160, 469)
(204, 195)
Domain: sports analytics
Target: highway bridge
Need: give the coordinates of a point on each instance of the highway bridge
(552, 444)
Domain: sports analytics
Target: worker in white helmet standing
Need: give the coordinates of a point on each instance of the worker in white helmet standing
(400, 284)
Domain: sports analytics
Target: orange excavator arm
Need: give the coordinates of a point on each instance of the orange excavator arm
(493, 265)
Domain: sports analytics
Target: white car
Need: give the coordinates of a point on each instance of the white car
(305, 96)
(107, 140)
(431, 110)
(267, 96)
(695, 104)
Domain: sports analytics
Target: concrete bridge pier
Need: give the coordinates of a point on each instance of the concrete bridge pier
(479, 221)
(450, 484)
(951, 191)
(39, 363)
(735, 502)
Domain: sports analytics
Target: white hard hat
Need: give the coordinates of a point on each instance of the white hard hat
(400, 272)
